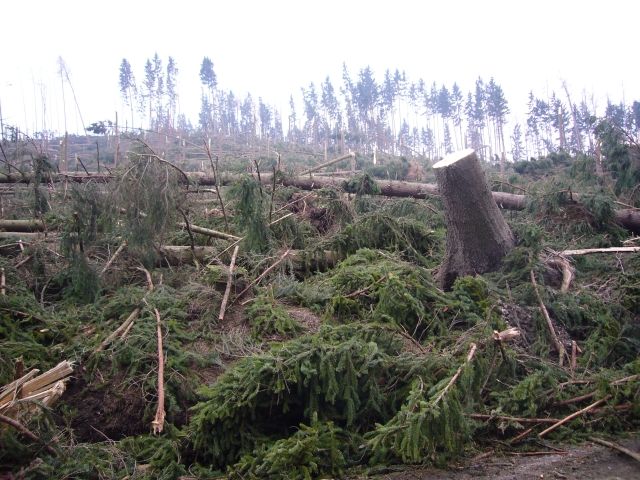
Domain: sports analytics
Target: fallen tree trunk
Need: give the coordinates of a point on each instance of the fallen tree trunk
(301, 261)
(478, 236)
(629, 218)
(22, 225)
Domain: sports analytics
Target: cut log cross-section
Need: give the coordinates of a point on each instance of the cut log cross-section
(478, 237)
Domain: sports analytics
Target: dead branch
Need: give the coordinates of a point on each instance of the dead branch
(158, 421)
(209, 232)
(263, 274)
(587, 251)
(472, 352)
(366, 289)
(124, 328)
(617, 447)
(149, 280)
(116, 333)
(565, 267)
(27, 433)
(482, 416)
(3, 282)
(572, 416)
(113, 257)
(545, 313)
(330, 162)
(216, 175)
(227, 291)
(294, 202)
(187, 224)
(590, 395)
(162, 160)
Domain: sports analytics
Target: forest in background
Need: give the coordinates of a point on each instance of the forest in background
(365, 111)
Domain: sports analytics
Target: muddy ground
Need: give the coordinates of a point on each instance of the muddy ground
(584, 462)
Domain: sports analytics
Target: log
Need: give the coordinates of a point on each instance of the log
(209, 232)
(478, 236)
(22, 225)
(629, 218)
(177, 254)
(329, 163)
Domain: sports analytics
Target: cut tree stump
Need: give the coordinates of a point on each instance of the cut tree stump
(478, 237)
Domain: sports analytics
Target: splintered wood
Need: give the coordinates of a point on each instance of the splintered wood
(45, 388)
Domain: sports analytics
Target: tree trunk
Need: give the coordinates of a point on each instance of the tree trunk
(629, 218)
(477, 235)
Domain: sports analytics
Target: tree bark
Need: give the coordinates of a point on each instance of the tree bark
(477, 234)
(629, 218)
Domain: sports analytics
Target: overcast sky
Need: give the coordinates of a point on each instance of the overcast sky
(273, 48)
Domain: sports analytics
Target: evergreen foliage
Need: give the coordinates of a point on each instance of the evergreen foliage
(313, 451)
(338, 374)
(250, 214)
(267, 317)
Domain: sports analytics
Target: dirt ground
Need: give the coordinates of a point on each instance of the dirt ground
(585, 462)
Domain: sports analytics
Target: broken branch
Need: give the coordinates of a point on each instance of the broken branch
(545, 313)
(572, 416)
(227, 291)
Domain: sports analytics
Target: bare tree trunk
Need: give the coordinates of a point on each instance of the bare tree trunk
(117, 152)
(477, 235)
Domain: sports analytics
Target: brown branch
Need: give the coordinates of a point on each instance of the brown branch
(124, 328)
(586, 251)
(187, 224)
(78, 159)
(209, 232)
(153, 154)
(572, 416)
(615, 446)
(366, 289)
(149, 280)
(27, 433)
(472, 352)
(116, 333)
(482, 416)
(294, 201)
(273, 192)
(216, 176)
(545, 313)
(326, 164)
(590, 395)
(227, 291)
(113, 257)
(158, 421)
(566, 269)
(262, 275)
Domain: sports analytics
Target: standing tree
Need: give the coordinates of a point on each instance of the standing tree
(497, 110)
(158, 93)
(149, 89)
(209, 80)
(517, 150)
(127, 85)
(172, 94)
(311, 126)
(457, 108)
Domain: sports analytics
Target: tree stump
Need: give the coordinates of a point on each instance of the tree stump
(477, 235)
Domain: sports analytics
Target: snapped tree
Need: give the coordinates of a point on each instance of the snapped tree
(477, 234)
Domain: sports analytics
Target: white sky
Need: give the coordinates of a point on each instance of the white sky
(273, 48)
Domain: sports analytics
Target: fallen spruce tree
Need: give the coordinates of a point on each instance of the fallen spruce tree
(629, 218)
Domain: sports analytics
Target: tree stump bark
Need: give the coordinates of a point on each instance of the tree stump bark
(478, 237)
